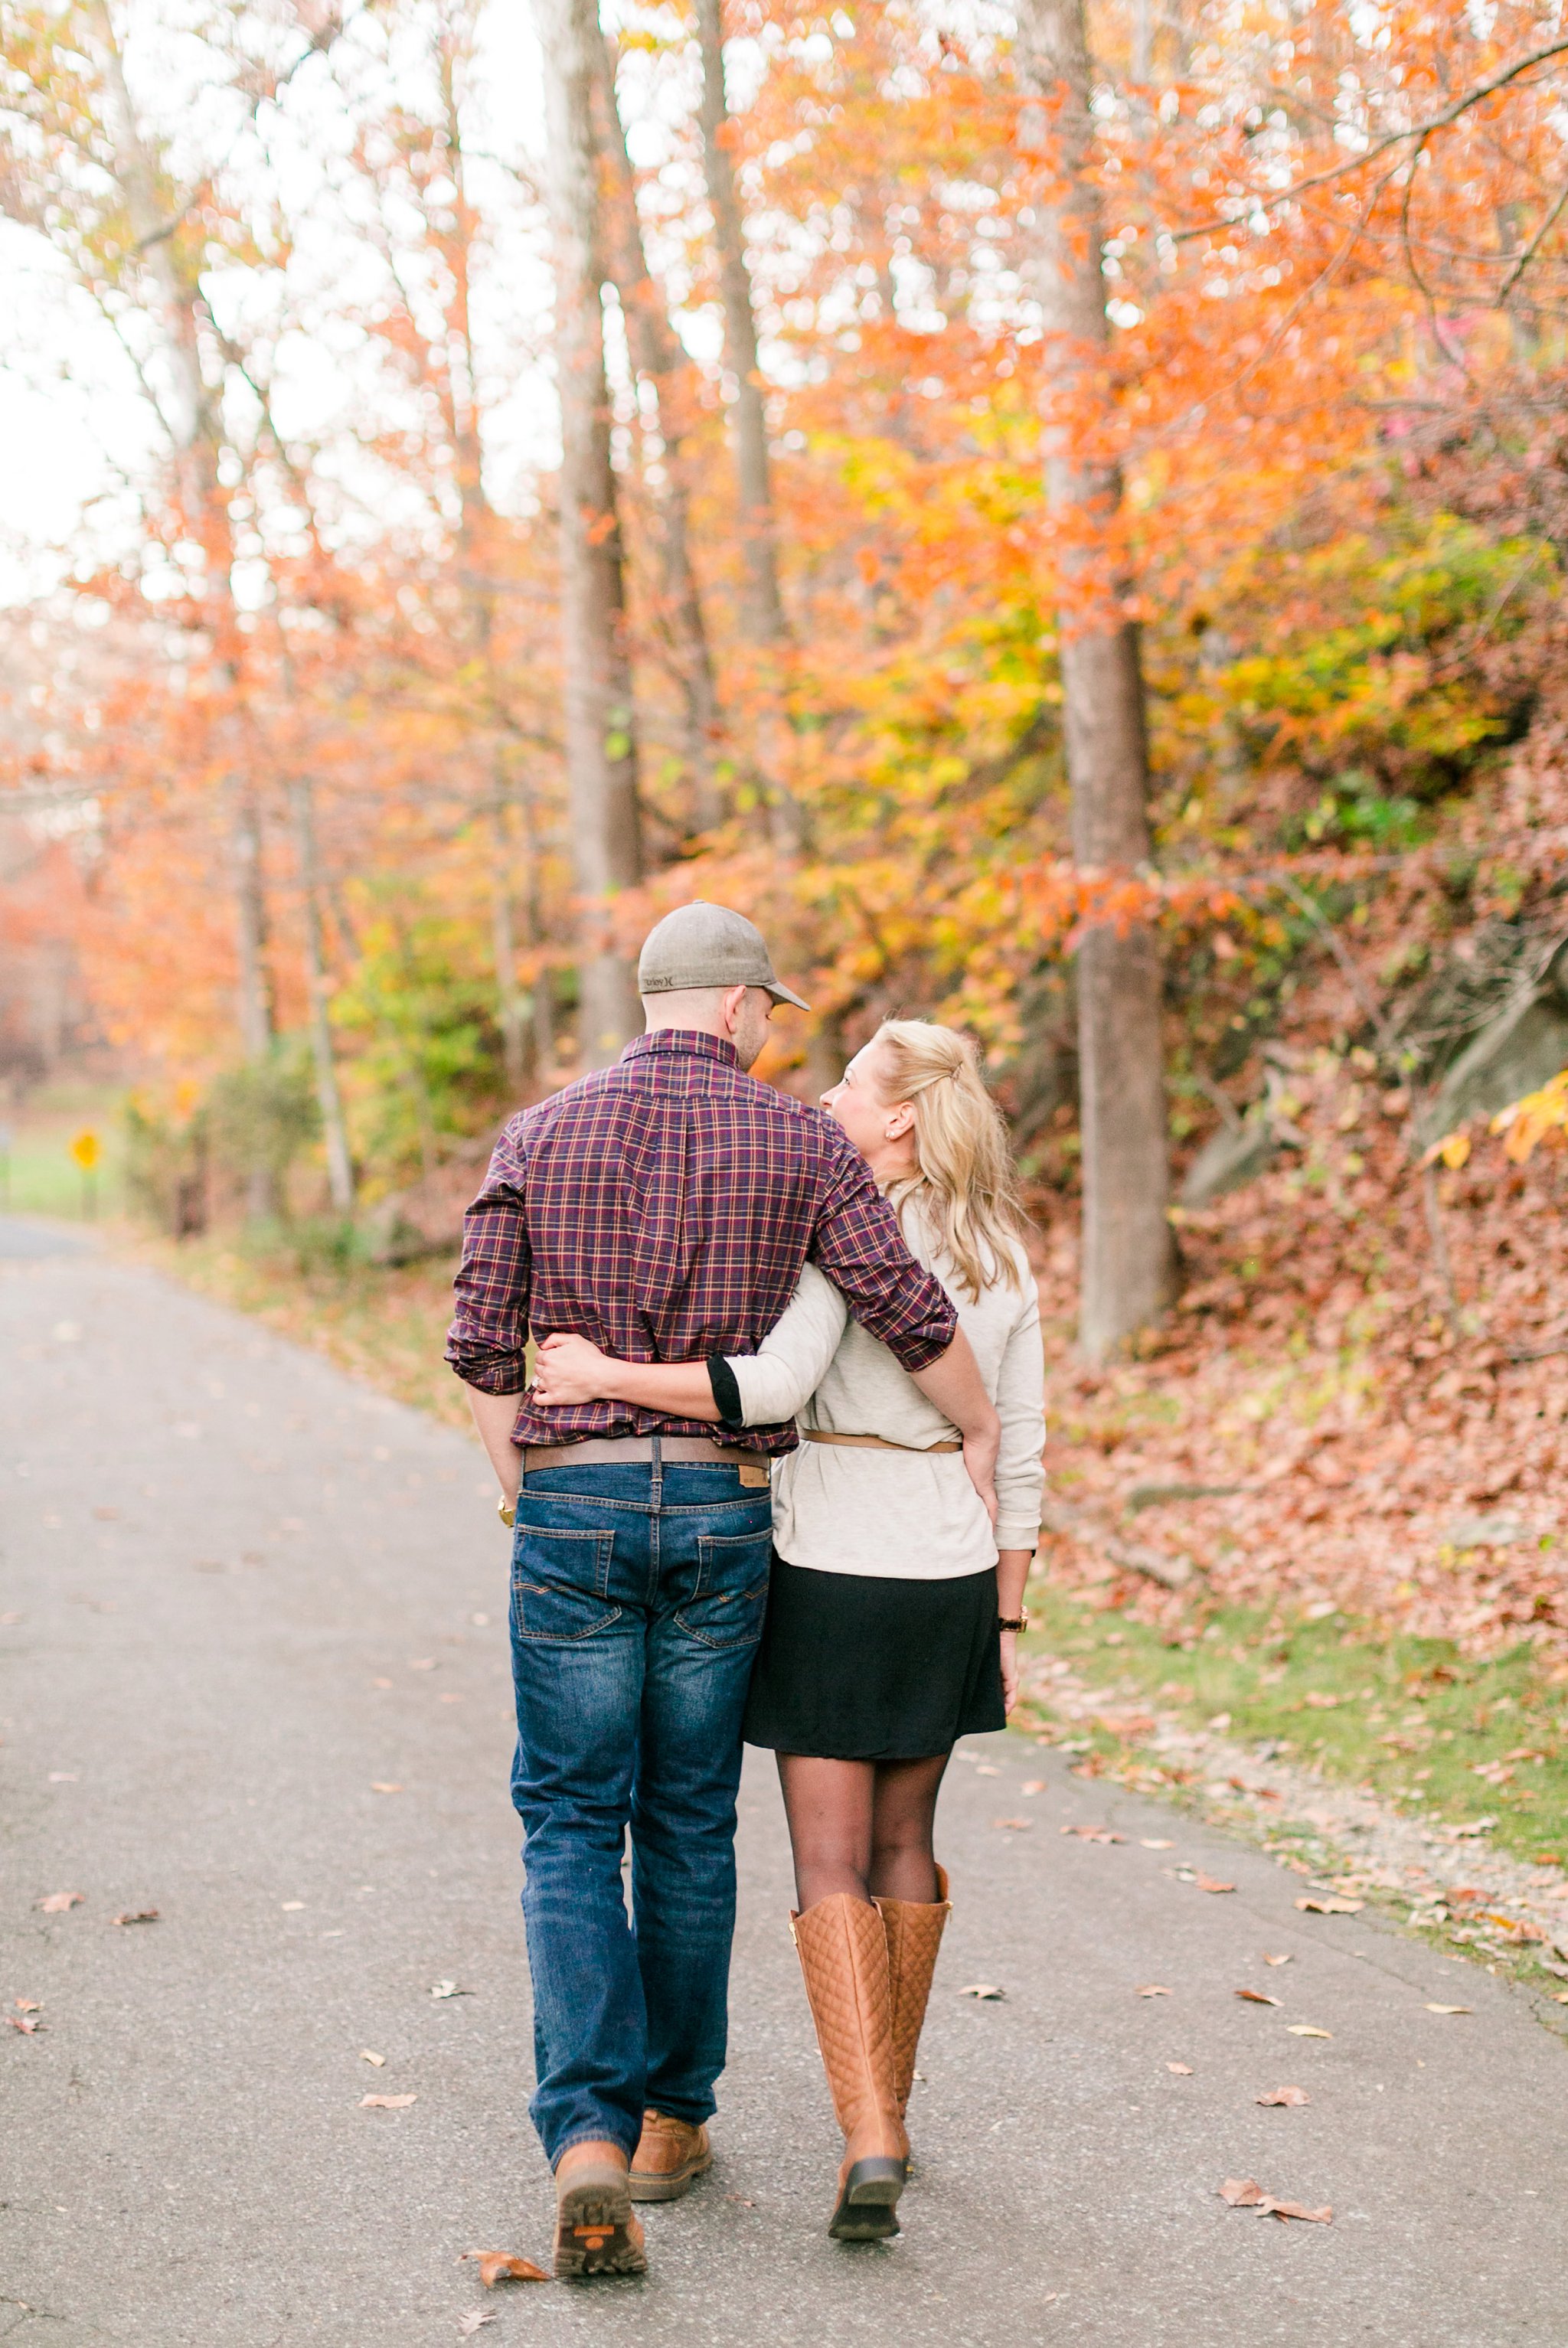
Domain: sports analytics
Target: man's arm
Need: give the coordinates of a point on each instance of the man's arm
(487, 1344)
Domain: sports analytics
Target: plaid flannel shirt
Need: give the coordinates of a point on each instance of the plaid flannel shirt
(663, 1207)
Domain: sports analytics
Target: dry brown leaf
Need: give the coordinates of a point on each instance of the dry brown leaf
(502, 2266)
(1290, 2097)
(468, 2323)
(1013, 1825)
(1450, 2009)
(1157, 1842)
(1094, 1834)
(982, 1989)
(366, 2056)
(1211, 1883)
(1306, 2030)
(58, 1901)
(448, 1989)
(1323, 1903)
(1033, 1785)
(1256, 1997)
(1182, 2070)
(378, 1787)
(1245, 2193)
(1152, 1989)
(27, 2023)
(1275, 1960)
(135, 1916)
(26, 2005)
(387, 2103)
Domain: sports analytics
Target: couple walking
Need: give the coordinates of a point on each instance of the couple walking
(776, 1478)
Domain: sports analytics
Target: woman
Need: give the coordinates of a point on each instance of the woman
(894, 1604)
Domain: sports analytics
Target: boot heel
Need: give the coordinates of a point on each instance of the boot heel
(868, 2206)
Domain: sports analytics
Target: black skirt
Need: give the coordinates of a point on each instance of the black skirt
(862, 1667)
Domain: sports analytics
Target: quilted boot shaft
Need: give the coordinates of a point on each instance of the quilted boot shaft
(842, 1949)
(913, 1929)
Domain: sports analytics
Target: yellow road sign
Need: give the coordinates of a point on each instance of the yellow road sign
(85, 1150)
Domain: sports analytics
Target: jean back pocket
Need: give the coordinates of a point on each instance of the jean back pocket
(560, 1582)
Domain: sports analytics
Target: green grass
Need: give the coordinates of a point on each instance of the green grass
(1410, 1719)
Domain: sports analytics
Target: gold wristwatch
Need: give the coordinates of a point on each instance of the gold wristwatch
(1020, 1622)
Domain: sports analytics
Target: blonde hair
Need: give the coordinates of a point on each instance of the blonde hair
(965, 1183)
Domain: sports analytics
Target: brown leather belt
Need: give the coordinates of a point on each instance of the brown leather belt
(623, 1450)
(874, 1442)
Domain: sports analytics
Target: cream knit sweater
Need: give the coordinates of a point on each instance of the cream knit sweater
(894, 1513)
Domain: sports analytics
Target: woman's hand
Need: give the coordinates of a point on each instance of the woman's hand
(1009, 1669)
(572, 1369)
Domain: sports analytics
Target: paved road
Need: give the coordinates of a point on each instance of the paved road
(240, 1594)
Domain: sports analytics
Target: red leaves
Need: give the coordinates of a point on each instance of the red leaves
(1211, 1883)
(1255, 1996)
(1245, 2193)
(1289, 2098)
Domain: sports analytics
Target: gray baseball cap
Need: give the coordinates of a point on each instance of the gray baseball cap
(708, 945)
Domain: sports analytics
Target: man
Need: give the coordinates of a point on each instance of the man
(662, 1206)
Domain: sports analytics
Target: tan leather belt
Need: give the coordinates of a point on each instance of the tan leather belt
(874, 1442)
(623, 1450)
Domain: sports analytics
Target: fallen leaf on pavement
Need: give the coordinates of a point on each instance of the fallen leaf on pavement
(982, 1988)
(366, 2056)
(1015, 1826)
(1292, 2097)
(1321, 1904)
(501, 2266)
(291, 1907)
(423, 1664)
(1094, 1834)
(26, 2005)
(1033, 1785)
(1257, 1997)
(986, 1770)
(1450, 2009)
(1156, 1842)
(448, 1989)
(1306, 2030)
(1275, 1960)
(1152, 1988)
(58, 1901)
(742, 2199)
(1182, 2070)
(135, 1916)
(387, 2103)
(1245, 2193)
(377, 1788)
(1211, 1883)
(27, 2023)
(469, 2323)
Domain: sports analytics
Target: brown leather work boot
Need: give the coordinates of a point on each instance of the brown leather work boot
(669, 2153)
(596, 2229)
(843, 1947)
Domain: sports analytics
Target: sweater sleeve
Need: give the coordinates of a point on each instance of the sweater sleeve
(789, 1366)
(1021, 1405)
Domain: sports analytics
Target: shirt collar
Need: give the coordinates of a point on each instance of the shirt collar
(690, 1042)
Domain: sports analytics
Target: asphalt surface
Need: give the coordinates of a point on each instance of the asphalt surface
(237, 1593)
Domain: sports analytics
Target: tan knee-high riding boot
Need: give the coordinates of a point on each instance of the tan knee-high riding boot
(913, 1929)
(843, 1947)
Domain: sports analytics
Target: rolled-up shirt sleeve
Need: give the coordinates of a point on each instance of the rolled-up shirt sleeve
(858, 1243)
(487, 1344)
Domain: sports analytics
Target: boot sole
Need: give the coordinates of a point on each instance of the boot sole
(593, 2232)
(672, 2187)
(868, 2206)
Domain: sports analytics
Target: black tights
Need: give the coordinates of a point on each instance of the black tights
(862, 1827)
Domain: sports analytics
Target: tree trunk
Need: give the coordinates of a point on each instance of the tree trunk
(328, 1092)
(601, 754)
(764, 625)
(503, 931)
(1129, 1265)
(657, 355)
(253, 993)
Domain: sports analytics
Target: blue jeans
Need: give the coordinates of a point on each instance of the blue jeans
(637, 1598)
